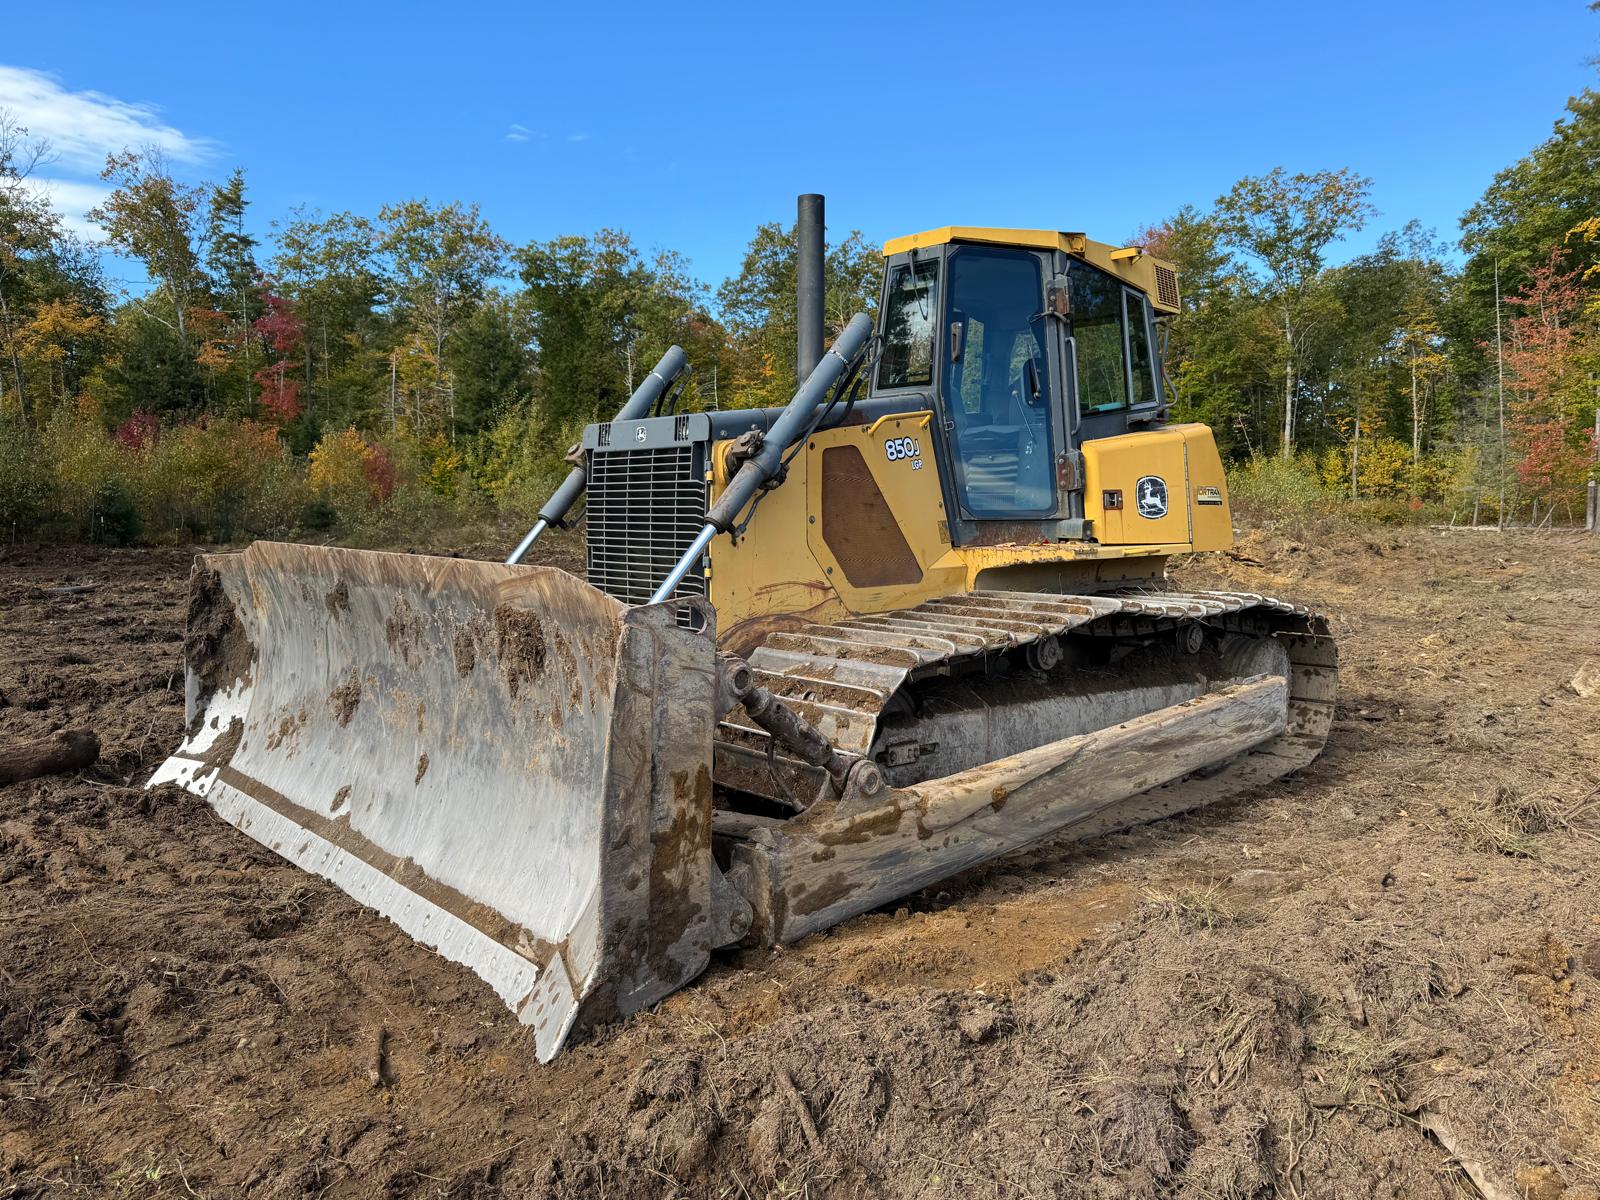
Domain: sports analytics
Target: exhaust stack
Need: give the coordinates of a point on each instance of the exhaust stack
(811, 234)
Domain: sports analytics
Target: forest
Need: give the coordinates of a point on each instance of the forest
(367, 373)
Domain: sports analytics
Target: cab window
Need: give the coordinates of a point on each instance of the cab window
(1097, 329)
(997, 384)
(1139, 357)
(910, 315)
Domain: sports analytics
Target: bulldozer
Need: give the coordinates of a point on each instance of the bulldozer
(826, 655)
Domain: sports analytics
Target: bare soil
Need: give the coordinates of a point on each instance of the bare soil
(1378, 978)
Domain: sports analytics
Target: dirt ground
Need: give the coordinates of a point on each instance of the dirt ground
(1380, 978)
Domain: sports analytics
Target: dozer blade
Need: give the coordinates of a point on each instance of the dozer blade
(507, 763)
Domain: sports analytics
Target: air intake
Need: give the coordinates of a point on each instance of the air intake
(1167, 286)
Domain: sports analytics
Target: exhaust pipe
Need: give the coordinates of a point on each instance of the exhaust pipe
(811, 234)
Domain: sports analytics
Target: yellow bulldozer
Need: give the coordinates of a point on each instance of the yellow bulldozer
(826, 654)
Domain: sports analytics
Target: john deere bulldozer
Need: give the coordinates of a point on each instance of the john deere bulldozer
(826, 654)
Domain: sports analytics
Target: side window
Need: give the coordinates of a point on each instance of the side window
(1097, 328)
(1144, 380)
(908, 326)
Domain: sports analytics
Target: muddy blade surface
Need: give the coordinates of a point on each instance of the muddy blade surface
(506, 762)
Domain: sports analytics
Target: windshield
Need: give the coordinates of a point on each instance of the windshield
(908, 325)
(997, 389)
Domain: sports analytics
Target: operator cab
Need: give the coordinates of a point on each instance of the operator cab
(1024, 344)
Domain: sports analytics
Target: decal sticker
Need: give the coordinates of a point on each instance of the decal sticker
(1208, 495)
(639, 433)
(1151, 491)
(902, 448)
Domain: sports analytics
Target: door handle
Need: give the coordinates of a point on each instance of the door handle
(1076, 411)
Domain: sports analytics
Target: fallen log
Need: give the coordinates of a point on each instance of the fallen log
(64, 750)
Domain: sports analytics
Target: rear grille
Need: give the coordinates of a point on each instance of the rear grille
(1167, 286)
(645, 508)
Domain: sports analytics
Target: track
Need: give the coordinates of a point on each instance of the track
(849, 679)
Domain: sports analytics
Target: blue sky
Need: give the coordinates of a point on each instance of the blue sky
(687, 126)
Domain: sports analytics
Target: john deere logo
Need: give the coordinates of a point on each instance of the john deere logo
(1152, 493)
(639, 433)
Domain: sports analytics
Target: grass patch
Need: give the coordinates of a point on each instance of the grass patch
(1507, 822)
(1190, 909)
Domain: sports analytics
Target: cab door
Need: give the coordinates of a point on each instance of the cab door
(999, 385)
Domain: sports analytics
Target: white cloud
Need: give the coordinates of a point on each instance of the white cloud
(581, 135)
(517, 133)
(72, 199)
(83, 127)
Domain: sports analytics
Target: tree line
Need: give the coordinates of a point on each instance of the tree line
(327, 367)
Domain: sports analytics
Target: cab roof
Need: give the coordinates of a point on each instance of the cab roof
(1156, 277)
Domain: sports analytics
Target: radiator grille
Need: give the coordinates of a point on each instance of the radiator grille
(645, 508)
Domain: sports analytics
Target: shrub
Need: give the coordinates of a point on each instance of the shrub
(220, 477)
(1274, 487)
(520, 466)
(115, 520)
(81, 460)
(24, 479)
(350, 474)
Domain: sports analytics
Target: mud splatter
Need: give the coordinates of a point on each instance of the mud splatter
(422, 768)
(288, 731)
(340, 798)
(402, 630)
(569, 669)
(465, 644)
(519, 645)
(338, 598)
(215, 646)
(346, 698)
(221, 751)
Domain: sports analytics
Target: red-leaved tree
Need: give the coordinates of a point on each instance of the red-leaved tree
(284, 335)
(1546, 376)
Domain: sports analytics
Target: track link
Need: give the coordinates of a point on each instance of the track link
(844, 677)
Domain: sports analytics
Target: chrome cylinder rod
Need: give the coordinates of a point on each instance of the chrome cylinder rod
(791, 425)
(655, 384)
(526, 543)
(690, 557)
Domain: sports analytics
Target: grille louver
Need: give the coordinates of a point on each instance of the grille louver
(645, 508)
(1167, 286)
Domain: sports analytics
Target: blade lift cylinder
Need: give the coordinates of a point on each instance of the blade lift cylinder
(655, 384)
(761, 467)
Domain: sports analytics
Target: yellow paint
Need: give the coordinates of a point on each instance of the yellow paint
(1184, 458)
(781, 573)
(1128, 263)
